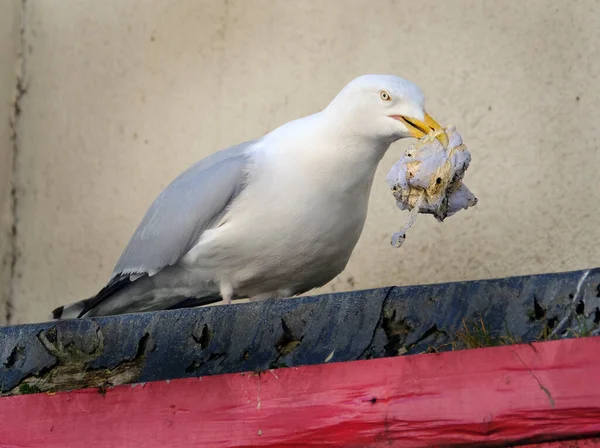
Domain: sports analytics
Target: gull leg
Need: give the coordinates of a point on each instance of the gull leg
(226, 291)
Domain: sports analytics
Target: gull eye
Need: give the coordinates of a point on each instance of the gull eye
(385, 96)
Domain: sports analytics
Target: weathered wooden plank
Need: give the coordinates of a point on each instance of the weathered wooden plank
(501, 395)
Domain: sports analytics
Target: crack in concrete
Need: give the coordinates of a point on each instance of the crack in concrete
(544, 388)
(20, 91)
(378, 324)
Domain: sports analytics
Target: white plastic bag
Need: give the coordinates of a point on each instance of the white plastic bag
(428, 179)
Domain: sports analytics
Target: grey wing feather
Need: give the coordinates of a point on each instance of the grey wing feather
(194, 202)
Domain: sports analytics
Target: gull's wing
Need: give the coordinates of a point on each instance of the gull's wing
(194, 202)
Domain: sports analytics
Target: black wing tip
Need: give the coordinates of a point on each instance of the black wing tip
(58, 312)
(114, 286)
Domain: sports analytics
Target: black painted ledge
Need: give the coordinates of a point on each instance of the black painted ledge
(101, 352)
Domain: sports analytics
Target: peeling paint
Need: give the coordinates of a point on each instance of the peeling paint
(70, 369)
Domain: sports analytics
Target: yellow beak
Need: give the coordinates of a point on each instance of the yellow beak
(419, 129)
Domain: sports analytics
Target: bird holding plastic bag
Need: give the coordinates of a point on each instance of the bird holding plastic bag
(428, 179)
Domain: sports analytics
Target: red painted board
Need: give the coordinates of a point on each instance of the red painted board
(579, 443)
(496, 395)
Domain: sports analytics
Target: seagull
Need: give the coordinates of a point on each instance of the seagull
(268, 218)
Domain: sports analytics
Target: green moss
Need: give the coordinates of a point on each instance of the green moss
(288, 347)
(26, 388)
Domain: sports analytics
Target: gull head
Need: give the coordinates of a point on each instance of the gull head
(384, 107)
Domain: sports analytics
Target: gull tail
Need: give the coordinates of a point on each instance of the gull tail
(71, 311)
(81, 307)
(124, 295)
(76, 309)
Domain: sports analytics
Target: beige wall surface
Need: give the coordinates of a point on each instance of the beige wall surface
(9, 45)
(123, 95)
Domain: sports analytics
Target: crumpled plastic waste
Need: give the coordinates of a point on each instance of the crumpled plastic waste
(428, 180)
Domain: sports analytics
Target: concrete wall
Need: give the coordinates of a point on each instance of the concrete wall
(122, 96)
(9, 47)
